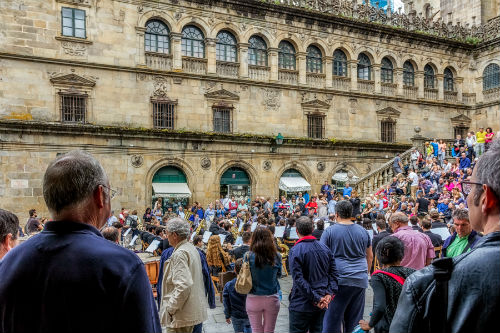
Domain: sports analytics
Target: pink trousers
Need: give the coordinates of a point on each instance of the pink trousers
(262, 312)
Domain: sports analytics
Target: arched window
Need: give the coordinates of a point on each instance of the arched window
(286, 55)
(314, 60)
(257, 51)
(408, 74)
(364, 67)
(193, 44)
(448, 80)
(225, 49)
(491, 77)
(339, 63)
(387, 71)
(157, 37)
(429, 77)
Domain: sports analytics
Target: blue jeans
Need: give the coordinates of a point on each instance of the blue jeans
(241, 325)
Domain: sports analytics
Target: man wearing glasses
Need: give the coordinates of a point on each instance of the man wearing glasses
(68, 277)
(473, 288)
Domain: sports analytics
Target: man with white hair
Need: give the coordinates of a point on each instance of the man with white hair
(183, 303)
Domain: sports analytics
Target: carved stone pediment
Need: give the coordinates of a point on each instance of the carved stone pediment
(461, 120)
(389, 112)
(72, 79)
(316, 104)
(222, 94)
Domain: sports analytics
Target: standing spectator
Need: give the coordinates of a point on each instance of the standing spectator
(240, 251)
(331, 205)
(9, 232)
(464, 239)
(381, 233)
(350, 245)
(422, 204)
(318, 231)
(414, 223)
(413, 178)
(442, 147)
(470, 142)
(414, 158)
(263, 303)
(473, 286)
(326, 188)
(314, 280)
(81, 276)
(234, 304)
(488, 138)
(458, 145)
(347, 190)
(33, 225)
(183, 303)
(397, 165)
(387, 284)
(436, 239)
(356, 204)
(480, 141)
(419, 250)
(112, 218)
(233, 207)
(435, 147)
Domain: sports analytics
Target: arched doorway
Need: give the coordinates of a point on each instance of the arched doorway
(292, 182)
(235, 182)
(170, 184)
(340, 178)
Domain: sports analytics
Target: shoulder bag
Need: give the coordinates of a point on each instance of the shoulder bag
(244, 280)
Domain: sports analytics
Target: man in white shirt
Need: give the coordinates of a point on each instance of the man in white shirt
(414, 158)
(112, 218)
(413, 177)
(446, 166)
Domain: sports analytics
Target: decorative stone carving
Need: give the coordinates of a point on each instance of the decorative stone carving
(72, 80)
(321, 166)
(222, 94)
(205, 163)
(137, 161)
(141, 77)
(178, 15)
(266, 165)
(177, 80)
(160, 87)
(272, 99)
(74, 49)
(353, 105)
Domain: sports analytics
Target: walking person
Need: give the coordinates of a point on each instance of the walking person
(350, 245)
(263, 303)
(234, 304)
(314, 280)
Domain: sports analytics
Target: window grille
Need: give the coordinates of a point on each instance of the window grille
(364, 67)
(286, 55)
(339, 63)
(225, 48)
(388, 131)
(163, 114)
(460, 130)
(314, 60)
(315, 126)
(448, 80)
(429, 77)
(73, 108)
(222, 120)
(73, 22)
(387, 72)
(157, 37)
(408, 74)
(491, 77)
(192, 43)
(257, 51)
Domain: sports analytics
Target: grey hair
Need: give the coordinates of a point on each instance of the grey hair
(71, 179)
(178, 226)
(461, 214)
(488, 170)
(399, 217)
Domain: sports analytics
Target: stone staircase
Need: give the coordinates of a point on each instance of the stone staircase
(380, 177)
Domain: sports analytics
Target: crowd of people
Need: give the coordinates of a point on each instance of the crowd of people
(333, 243)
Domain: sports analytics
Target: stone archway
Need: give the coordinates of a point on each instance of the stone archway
(246, 167)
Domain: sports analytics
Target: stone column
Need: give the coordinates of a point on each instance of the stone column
(140, 59)
(459, 83)
(377, 78)
(419, 81)
(176, 51)
(272, 53)
(302, 67)
(353, 71)
(439, 78)
(243, 60)
(211, 57)
(399, 81)
(328, 70)
(479, 88)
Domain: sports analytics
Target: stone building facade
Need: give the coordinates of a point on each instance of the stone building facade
(205, 87)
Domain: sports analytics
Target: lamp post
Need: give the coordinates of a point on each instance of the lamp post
(278, 141)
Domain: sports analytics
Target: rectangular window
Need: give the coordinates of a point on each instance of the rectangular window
(163, 115)
(73, 108)
(73, 22)
(459, 130)
(315, 126)
(388, 133)
(222, 120)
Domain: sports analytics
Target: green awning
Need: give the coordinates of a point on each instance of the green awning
(235, 176)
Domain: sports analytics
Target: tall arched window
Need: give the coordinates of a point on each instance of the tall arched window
(448, 80)
(339, 63)
(387, 71)
(408, 74)
(225, 49)
(314, 60)
(157, 37)
(491, 77)
(286, 55)
(429, 77)
(364, 67)
(257, 51)
(193, 43)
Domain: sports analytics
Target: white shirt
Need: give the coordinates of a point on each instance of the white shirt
(112, 219)
(415, 155)
(414, 178)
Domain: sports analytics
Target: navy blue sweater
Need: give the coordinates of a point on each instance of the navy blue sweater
(234, 303)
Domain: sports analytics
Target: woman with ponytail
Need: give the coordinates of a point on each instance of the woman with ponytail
(387, 284)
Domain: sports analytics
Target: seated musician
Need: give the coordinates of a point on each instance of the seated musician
(217, 259)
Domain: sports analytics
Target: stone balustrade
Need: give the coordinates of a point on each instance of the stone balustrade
(388, 89)
(450, 96)
(430, 93)
(258, 73)
(228, 69)
(287, 76)
(491, 95)
(410, 92)
(159, 61)
(366, 86)
(341, 83)
(194, 65)
(316, 80)
(469, 99)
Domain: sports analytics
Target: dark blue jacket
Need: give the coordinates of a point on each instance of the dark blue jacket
(314, 274)
(209, 287)
(234, 303)
(68, 278)
(471, 241)
(464, 163)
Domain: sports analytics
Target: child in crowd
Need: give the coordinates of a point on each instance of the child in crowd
(234, 304)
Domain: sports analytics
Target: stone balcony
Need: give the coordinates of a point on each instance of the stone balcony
(366, 86)
(450, 96)
(388, 89)
(316, 80)
(430, 93)
(159, 61)
(491, 95)
(341, 83)
(258, 73)
(194, 65)
(228, 69)
(410, 92)
(287, 76)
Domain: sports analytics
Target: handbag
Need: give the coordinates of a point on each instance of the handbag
(244, 280)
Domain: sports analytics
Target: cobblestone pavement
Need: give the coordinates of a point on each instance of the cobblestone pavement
(216, 322)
